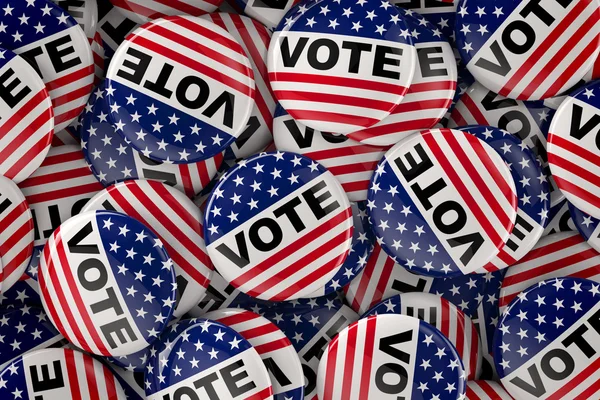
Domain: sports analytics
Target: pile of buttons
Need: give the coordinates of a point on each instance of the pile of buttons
(299, 199)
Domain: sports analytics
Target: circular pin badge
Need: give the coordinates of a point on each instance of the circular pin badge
(430, 93)
(274, 348)
(532, 192)
(486, 390)
(565, 254)
(84, 12)
(572, 151)
(559, 219)
(587, 226)
(528, 52)
(58, 189)
(58, 374)
(444, 201)
(107, 283)
(113, 160)
(26, 118)
(391, 354)
(142, 11)
(208, 357)
(56, 46)
(24, 292)
(544, 344)
(341, 67)
(16, 233)
(181, 89)
(254, 39)
(278, 226)
(175, 220)
(25, 329)
(268, 13)
(351, 162)
(382, 278)
(444, 316)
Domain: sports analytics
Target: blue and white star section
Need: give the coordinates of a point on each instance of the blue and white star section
(456, 188)
(528, 50)
(341, 67)
(278, 226)
(56, 46)
(430, 93)
(84, 12)
(533, 193)
(439, 13)
(208, 357)
(559, 255)
(58, 374)
(107, 283)
(181, 89)
(588, 226)
(546, 339)
(388, 357)
(275, 349)
(24, 292)
(573, 152)
(443, 315)
(559, 219)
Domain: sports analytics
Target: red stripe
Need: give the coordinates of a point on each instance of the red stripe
(474, 349)
(61, 158)
(13, 215)
(90, 376)
(386, 272)
(73, 95)
(577, 191)
(325, 154)
(460, 342)
(355, 101)
(471, 395)
(33, 127)
(262, 395)
(11, 242)
(422, 105)
(473, 109)
(573, 149)
(553, 247)
(367, 274)
(45, 293)
(69, 115)
(189, 9)
(66, 192)
(238, 318)
(208, 34)
(487, 389)
(24, 112)
(356, 186)
(137, 9)
(273, 345)
(57, 177)
(353, 168)
(186, 178)
(30, 154)
(576, 381)
(349, 362)
(71, 77)
(330, 370)
(431, 86)
(20, 259)
(109, 379)
(589, 391)
(445, 320)
(257, 331)
(333, 117)
(365, 378)
(394, 128)
(457, 117)
(72, 374)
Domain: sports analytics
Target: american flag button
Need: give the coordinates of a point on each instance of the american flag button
(142, 11)
(486, 390)
(430, 94)
(57, 48)
(176, 221)
(84, 12)
(559, 219)
(341, 67)
(278, 226)
(58, 374)
(107, 283)
(181, 89)
(546, 339)
(533, 194)
(588, 226)
(26, 118)
(382, 277)
(446, 317)
(391, 356)
(442, 201)
(565, 254)
(24, 292)
(275, 349)
(440, 13)
(207, 358)
(267, 12)
(112, 159)
(573, 150)
(351, 162)
(16, 233)
(528, 51)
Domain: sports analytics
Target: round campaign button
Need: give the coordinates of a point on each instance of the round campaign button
(351, 162)
(142, 11)
(341, 67)
(486, 390)
(391, 354)
(113, 160)
(16, 233)
(254, 39)
(267, 12)
(444, 201)
(84, 12)
(560, 219)
(56, 46)
(208, 357)
(532, 192)
(24, 291)
(526, 50)
(278, 226)
(587, 226)
(176, 221)
(275, 349)
(565, 254)
(100, 275)
(58, 189)
(181, 89)
(544, 346)
(26, 118)
(446, 317)
(573, 153)
(430, 93)
(382, 278)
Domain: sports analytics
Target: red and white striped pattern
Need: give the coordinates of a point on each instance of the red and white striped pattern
(25, 130)
(142, 11)
(177, 222)
(486, 390)
(336, 100)
(62, 180)
(98, 53)
(16, 233)
(195, 176)
(561, 55)
(565, 254)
